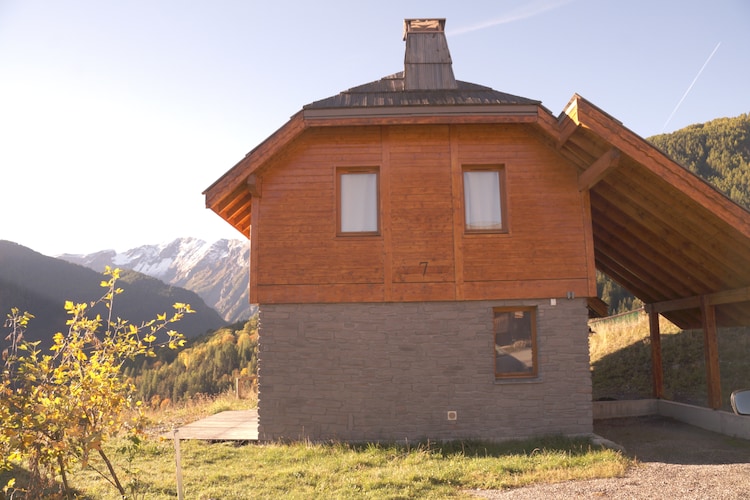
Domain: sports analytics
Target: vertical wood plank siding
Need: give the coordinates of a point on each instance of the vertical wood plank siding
(422, 252)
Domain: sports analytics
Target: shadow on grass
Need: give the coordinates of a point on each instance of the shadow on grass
(28, 487)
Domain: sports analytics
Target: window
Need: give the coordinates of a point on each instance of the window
(357, 190)
(484, 199)
(515, 342)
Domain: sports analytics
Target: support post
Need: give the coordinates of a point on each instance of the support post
(178, 464)
(711, 351)
(657, 371)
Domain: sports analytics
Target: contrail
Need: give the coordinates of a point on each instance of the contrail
(530, 10)
(691, 86)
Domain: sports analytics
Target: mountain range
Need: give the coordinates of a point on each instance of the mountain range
(40, 285)
(217, 272)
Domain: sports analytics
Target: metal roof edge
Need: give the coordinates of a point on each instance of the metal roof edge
(422, 111)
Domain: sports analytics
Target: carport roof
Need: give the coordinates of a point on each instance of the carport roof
(659, 230)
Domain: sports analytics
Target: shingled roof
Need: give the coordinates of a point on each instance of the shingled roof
(390, 91)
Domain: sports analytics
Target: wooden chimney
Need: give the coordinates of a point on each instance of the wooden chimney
(427, 62)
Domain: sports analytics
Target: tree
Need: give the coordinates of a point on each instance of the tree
(58, 408)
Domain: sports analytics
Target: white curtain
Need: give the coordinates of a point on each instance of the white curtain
(482, 199)
(359, 202)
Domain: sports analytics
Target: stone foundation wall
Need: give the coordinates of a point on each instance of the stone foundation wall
(393, 371)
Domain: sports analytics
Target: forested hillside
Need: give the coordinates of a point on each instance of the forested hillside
(209, 364)
(717, 151)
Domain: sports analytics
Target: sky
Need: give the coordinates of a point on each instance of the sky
(116, 115)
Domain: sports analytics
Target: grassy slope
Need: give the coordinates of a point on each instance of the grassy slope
(621, 360)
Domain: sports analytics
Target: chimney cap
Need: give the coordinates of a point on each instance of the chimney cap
(422, 25)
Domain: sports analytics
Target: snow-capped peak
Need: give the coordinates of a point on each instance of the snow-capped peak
(203, 267)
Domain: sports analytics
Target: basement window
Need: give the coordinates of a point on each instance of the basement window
(484, 199)
(515, 342)
(357, 201)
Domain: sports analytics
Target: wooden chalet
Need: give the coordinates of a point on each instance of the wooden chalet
(424, 251)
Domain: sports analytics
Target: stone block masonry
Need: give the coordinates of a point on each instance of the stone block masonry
(393, 371)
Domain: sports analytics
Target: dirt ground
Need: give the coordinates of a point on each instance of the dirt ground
(674, 461)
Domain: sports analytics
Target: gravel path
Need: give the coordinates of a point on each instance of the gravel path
(675, 461)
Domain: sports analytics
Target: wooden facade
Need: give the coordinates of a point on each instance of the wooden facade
(423, 252)
(579, 193)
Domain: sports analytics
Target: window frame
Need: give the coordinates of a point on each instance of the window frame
(340, 172)
(500, 169)
(533, 312)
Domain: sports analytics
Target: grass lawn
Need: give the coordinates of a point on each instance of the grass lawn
(338, 470)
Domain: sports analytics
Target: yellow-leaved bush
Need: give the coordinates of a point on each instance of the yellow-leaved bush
(58, 407)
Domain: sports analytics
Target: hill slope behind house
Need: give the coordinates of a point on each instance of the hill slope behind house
(717, 151)
(40, 285)
(620, 354)
(218, 271)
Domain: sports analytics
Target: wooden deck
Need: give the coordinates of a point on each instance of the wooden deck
(235, 425)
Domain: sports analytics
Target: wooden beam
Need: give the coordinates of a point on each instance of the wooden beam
(711, 299)
(597, 306)
(254, 253)
(254, 185)
(588, 229)
(657, 372)
(458, 213)
(599, 169)
(676, 304)
(386, 142)
(730, 296)
(241, 222)
(711, 351)
(567, 128)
